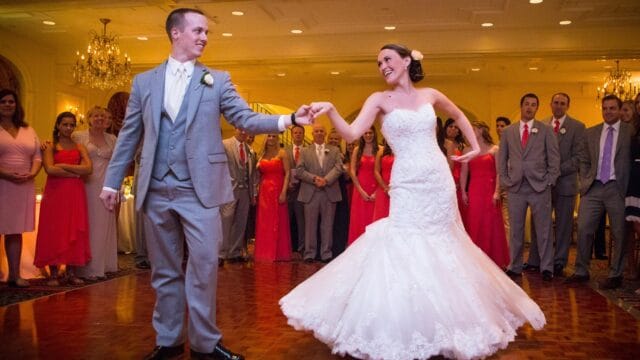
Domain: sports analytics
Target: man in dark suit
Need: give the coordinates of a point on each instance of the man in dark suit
(604, 177)
(319, 169)
(529, 164)
(296, 208)
(183, 180)
(570, 135)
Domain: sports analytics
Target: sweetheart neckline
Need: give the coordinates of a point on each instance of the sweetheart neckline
(410, 110)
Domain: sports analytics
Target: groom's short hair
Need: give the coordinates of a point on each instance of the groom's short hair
(176, 18)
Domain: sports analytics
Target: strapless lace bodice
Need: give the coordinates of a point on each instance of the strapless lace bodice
(422, 188)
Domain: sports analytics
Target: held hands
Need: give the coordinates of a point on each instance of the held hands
(319, 108)
(303, 115)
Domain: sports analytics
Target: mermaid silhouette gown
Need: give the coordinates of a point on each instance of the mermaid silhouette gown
(413, 285)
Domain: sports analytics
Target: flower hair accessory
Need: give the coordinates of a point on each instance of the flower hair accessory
(416, 55)
(207, 78)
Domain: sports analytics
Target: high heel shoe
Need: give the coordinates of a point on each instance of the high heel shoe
(18, 283)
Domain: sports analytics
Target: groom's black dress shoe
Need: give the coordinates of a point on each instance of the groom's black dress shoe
(512, 274)
(218, 353)
(532, 268)
(165, 352)
(547, 275)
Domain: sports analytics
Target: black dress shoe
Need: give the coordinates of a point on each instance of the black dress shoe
(326, 260)
(143, 265)
(218, 353)
(308, 260)
(512, 274)
(558, 271)
(575, 279)
(532, 268)
(611, 283)
(165, 352)
(601, 257)
(547, 275)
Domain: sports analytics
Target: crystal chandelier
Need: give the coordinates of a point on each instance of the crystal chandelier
(618, 83)
(102, 66)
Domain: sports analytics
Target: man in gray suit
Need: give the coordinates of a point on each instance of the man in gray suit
(183, 180)
(570, 135)
(319, 168)
(296, 208)
(244, 181)
(529, 163)
(604, 177)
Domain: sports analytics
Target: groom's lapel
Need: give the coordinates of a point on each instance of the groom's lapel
(194, 92)
(157, 95)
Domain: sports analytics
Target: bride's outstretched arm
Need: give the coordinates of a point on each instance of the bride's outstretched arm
(461, 121)
(362, 123)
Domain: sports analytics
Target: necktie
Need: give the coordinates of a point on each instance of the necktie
(605, 167)
(243, 158)
(556, 126)
(177, 91)
(319, 151)
(525, 135)
(296, 154)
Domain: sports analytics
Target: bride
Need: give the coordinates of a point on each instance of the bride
(413, 285)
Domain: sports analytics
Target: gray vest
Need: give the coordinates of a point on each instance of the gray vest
(171, 149)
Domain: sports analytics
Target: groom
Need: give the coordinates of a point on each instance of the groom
(184, 178)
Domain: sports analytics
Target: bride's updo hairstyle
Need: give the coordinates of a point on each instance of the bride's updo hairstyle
(415, 67)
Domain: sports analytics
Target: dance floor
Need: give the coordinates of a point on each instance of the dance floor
(111, 320)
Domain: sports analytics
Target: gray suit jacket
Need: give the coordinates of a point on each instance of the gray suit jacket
(237, 172)
(310, 167)
(206, 157)
(621, 162)
(538, 162)
(571, 145)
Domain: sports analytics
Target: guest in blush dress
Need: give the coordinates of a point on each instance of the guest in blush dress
(102, 230)
(364, 184)
(273, 239)
(382, 172)
(484, 211)
(63, 229)
(20, 161)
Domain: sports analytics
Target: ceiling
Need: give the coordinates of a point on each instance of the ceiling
(345, 36)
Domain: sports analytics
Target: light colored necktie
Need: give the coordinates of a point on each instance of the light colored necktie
(177, 91)
(320, 155)
(605, 167)
(525, 135)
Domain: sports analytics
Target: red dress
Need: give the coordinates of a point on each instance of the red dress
(273, 240)
(63, 229)
(361, 213)
(457, 166)
(381, 207)
(484, 219)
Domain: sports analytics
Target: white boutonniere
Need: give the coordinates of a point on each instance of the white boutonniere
(563, 131)
(416, 55)
(534, 130)
(326, 151)
(207, 78)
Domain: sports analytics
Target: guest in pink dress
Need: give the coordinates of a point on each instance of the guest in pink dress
(484, 211)
(382, 172)
(63, 230)
(364, 184)
(20, 161)
(273, 239)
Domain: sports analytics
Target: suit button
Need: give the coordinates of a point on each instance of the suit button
(172, 147)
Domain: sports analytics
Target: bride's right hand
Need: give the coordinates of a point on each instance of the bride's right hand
(320, 108)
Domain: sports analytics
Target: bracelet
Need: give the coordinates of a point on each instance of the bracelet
(293, 119)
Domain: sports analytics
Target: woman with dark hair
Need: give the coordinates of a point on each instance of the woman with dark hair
(454, 143)
(484, 221)
(364, 184)
(273, 238)
(20, 161)
(413, 285)
(63, 229)
(382, 172)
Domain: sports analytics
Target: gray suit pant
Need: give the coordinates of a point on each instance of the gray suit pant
(173, 213)
(563, 207)
(592, 204)
(540, 204)
(234, 224)
(319, 205)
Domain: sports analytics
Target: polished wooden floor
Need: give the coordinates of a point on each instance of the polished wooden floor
(111, 320)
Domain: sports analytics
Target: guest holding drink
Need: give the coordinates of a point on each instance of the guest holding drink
(20, 161)
(63, 230)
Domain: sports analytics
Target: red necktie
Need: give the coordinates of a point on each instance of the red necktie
(243, 158)
(296, 154)
(525, 135)
(556, 126)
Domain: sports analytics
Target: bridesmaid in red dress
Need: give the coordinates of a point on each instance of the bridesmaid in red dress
(382, 172)
(484, 210)
(273, 240)
(364, 184)
(454, 143)
(63, 230)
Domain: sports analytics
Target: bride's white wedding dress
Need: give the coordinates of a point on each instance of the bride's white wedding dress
(413, 285)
